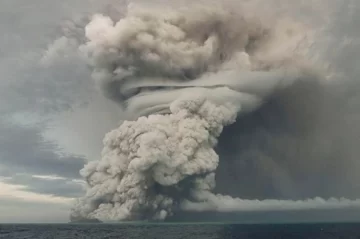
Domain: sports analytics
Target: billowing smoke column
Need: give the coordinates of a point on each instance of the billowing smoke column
(186, 74)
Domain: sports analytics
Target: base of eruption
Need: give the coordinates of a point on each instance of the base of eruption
(303, 216)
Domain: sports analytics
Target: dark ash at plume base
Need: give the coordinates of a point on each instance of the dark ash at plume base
(260, 149)
(186, 76)
(84, 220)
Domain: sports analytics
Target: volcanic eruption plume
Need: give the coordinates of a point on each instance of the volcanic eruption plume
(182, 76)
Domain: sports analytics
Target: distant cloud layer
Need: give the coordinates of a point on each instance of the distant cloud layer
(23, 150)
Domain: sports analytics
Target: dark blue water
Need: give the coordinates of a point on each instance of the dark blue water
(177, 231)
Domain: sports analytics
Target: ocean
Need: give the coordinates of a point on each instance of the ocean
(180, 231)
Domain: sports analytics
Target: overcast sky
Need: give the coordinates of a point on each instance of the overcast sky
(52, 120)
(49, 123)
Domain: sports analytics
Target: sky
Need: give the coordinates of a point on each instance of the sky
(41, 152)
(52, 118)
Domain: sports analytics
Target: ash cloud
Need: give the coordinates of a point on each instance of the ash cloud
(184, 76)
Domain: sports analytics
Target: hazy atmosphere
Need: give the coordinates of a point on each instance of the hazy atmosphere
(292, 141)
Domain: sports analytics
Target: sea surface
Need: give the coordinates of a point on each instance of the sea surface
(180, 231)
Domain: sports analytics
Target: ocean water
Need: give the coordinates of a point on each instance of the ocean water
(180, 231)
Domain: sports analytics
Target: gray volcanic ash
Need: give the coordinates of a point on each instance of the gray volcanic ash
(183, 76)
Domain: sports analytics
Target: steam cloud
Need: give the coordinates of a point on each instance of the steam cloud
(184, 75)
